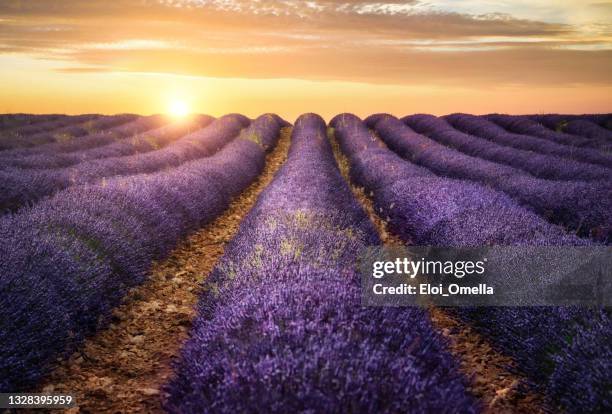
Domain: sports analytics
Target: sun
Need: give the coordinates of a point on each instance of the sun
(178, 109)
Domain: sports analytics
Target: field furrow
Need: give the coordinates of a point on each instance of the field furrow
(123, 367)
(176, 143)
(282, 314)
(63, 154)
(428, 210)
(491, 379)
(70, 260)
(483, 128)
(59, 130)
(583, 207)
(538, 165)
(522, 124)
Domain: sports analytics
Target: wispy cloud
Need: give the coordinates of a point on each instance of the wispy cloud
(82, 69)
(410, 42)
(131, 44)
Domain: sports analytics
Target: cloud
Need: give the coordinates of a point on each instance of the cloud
(399, 18)
(498, 67)
(82, 69)
(411, 42)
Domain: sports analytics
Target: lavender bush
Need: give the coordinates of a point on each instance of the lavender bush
(522, 124)
(538, 165)
(281, 312)
(20, 187)
(149, 140)
(594, 128)
(567, 352)
(13, 121)
(49, 125)
(603, 120)
(70, 259)
(590, 130)
(62, 154)
(65, 133)
(581, 206)
(483, 128)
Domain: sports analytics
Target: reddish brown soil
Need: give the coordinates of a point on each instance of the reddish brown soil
(121, 369)
(487, 369)
(492, 382)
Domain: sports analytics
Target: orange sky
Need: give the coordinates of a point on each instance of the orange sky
(289, 57)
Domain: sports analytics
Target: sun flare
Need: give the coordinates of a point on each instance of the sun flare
(178, 109)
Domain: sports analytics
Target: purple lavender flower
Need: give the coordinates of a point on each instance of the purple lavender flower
(282, 313)
(481, 127)
(67, 261)
(565, 352)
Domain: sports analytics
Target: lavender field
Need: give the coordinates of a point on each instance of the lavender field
(205, 264)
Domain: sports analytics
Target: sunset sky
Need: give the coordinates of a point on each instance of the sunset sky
(289, 57)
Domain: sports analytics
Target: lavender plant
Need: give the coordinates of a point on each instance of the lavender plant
(566, 352)
(580, 206)
(538, 165)
(70, 259)
(589, 129)
(63, 154)
(281, 313)
(22, 139)
(522, 124)
(48, 125)
(594, 128)
(20, 187)
(13, 121)
(481, 127)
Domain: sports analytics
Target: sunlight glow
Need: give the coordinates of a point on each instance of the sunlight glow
(178, 109)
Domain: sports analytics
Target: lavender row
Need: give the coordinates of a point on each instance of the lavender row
(146, 141)
(69, 260)
(538, 165)
(67, 133)
(428, 210)
(38, 127)
(280, 326)
(55, 154)
(590, 130)
(522, 124)
(13, 138)
(13, 121)
(443, 199)
(592, 127)
(583, 207)
(483, 128)
(603, 120)
(554, 120)
(20, 187)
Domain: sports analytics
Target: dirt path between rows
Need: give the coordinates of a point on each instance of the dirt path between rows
(490, 379)
(121, 369)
